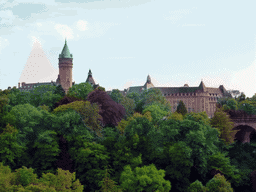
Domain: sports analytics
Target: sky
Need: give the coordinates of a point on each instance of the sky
(122, 41)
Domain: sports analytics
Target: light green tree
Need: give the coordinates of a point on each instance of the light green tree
(80, 90)
(146, 178)
(218, 184)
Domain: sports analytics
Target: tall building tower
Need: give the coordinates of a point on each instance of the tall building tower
(65, 68)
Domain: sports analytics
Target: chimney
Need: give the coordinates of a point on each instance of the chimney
(19, 85)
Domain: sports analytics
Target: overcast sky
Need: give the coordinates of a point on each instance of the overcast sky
(122, 41)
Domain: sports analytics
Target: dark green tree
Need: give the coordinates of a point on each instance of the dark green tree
(129, 106)
(116, 95)
(181, 108)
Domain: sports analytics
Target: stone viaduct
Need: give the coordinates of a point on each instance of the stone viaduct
(245, 124)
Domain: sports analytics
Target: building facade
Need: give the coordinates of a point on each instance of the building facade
(196, 99)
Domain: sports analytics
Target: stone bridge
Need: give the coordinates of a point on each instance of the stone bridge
(245, 124)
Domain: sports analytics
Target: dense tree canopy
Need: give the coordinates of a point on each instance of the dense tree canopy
(111, 112)
(80, 90)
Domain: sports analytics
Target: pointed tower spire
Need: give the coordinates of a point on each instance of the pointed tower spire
(202, 86)
(65, 51)
(90, 78)
(148, 79)
(90, 73)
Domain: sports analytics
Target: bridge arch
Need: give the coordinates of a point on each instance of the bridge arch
(245, 133)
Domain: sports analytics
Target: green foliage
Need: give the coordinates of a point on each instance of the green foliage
(23, 179)
(70, 124)
(19, 97)
(224, 125)
(140, 126)
(90, 160)
(151, 96)
(80, 90)
(146, 178)
(59, 91)
(89, 113)
(246, 106)
(100, 88)
(45, 152)
(134, 96)
(218, 184)
(241, 97)
(108, 185)
(200, 117)
(116, 95)
(156, 112)
(196, 186)
(129, 106)
(178, 161)
(181, 108)
(176, 116)
(9, 149)
(219, 161)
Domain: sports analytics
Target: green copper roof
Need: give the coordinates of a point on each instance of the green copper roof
(65, 52)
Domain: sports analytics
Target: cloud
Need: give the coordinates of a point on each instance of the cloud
(64, 31)
(3, 43)
(82, 25)
(177, 14)
(7, 17)
(193, 25)
(245, 80)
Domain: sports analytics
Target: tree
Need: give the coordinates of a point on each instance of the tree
(224, 125)
(111, 112)
(241, 97)
(156, 112)
(134, 96)
(176, 116)
(146, 178)
(100, 88)
(201, 117)
(108, 185)
(123, 123)
(129, 106)
(9, 149)
(197, 186)
(90, 160)
(65, 100)
(181, 108)
(59, 91)
(80, 90)
(218, 183)
(89, 113)
(153, 96)
(178, 164)
(116, 95)
(219, 161)
(23, 179)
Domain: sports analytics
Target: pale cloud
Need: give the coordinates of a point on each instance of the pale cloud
(245, 80)
(192, 25)
(3, 43)
(39, 24)
(64, 31)
(7, 17)
(82, 25)
(177, 14)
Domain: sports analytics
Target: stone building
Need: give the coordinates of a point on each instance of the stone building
(196, 99)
